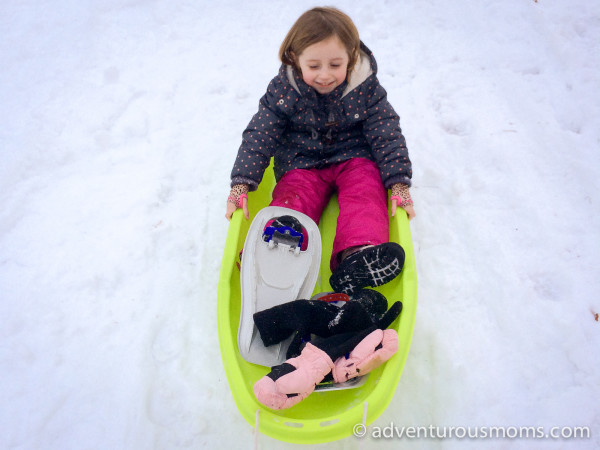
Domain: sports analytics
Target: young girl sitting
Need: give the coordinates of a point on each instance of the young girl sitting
(327, 122)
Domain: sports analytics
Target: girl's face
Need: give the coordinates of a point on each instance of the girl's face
(324, 64)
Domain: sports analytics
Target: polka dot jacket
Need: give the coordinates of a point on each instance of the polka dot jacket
(302, 129)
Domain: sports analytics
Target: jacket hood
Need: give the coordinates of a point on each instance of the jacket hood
(365, 67)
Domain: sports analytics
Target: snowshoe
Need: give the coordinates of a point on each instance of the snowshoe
(280, 263)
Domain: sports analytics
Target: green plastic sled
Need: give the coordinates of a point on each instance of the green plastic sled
(323, 416)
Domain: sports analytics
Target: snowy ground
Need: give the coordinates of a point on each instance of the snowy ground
(120, 123)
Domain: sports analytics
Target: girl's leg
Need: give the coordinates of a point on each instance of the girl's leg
(302, 190)
(363, 218)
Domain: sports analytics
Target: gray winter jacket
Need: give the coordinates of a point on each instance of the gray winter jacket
(303, 129)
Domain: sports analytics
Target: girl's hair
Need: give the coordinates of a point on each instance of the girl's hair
(315, 26)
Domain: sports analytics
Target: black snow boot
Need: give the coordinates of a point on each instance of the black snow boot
(372, 266)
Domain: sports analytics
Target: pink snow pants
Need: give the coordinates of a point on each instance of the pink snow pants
(362, 201)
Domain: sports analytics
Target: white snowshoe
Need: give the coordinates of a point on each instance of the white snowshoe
(280, 263)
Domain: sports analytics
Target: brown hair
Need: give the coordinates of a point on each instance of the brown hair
(315, 26)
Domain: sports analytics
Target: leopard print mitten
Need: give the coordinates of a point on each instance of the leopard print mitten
(401, 193)
(238, 192)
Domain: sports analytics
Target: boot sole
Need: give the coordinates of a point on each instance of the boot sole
(371, 267)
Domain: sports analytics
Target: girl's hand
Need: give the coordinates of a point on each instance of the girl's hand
(401, 197)
(238, 198)
(409, 210)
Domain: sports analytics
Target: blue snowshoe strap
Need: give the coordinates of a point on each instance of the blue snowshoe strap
(286, 230)
(284, 235)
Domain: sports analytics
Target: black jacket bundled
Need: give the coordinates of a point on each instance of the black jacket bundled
(303, 129)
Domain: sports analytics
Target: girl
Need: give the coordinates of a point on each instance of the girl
(327, 122)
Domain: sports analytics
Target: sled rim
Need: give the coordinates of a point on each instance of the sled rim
(323, 416)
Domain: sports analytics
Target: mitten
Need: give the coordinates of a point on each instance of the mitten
(364, 308)
(401, 192)
(371, 352)
(391, 315)
(292, 381)
(302, 318)
(238, 192)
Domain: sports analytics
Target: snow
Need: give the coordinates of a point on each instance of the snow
(120, 123)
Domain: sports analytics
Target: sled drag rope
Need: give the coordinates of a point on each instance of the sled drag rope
(364, 424)
(256, 430)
